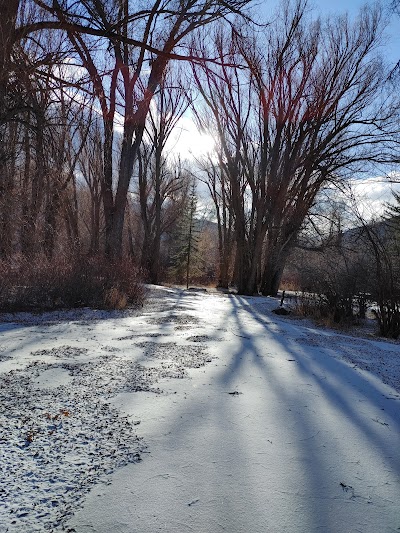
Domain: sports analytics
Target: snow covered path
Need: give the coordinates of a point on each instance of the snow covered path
(308, 444)
(278, 432)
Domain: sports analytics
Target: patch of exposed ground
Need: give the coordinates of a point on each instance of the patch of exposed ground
(56, 424)
(56, 442)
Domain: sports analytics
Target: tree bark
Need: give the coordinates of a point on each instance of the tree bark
(9, 11)
(276, 256)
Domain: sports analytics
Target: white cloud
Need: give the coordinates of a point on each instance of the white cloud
(372, 194)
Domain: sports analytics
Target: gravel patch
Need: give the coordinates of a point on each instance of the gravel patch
(59, 435)
(175, 358)
(199, 338)
(176, 319)
(61, 352)
(55, 444)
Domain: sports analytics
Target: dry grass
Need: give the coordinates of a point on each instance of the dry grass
(317, 308)
(114, 298)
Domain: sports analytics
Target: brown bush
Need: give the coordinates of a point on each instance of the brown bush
(115, 299)
(324, 310)
(39, 284)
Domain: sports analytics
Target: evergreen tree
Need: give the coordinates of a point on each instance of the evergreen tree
(185, 253)
(393, 211)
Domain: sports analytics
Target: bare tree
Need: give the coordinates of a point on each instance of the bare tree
(30, 93)
(67, 134)
(212, 173)
(12, 92)
(382, 238)
(125, 51)
(8, 21)
(304, 111)
(159, 184)
(229, 98)
(90, 165)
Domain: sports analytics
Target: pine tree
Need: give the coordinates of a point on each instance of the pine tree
(393, 211)
(187, 239)
(392, 220)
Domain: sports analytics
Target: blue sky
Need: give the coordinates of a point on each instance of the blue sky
(326, 7)
(352, 7)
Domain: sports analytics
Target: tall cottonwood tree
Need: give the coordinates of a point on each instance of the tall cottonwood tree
(228, 95)
(27, 125)
(13, 108)
(38, 114)
(125, 50)
(8, 21)
(291, 116)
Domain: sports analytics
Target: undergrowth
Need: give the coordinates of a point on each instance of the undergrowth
(340, 313)
(39, 284)
(321, 309)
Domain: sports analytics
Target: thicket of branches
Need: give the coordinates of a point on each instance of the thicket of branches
(77, 84)
(343, 274)
(92, 92)
(301, 107)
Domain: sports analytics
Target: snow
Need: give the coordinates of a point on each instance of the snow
(271, 423)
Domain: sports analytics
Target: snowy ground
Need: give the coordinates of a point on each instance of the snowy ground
(274, 425)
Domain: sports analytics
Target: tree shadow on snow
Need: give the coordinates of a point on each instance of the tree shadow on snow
(325, 405)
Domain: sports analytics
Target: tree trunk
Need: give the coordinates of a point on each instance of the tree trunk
(155, 263)
(26, 229)
(271, 279)
(224, 264)
(225, 242)
(72, 225)
(94, 247)
(9, 10)
(129, 152)
(7, 223)
(247, 260)
(274, 264)
(133, 133)
(51, 222)
(36, 180)
(107, 183)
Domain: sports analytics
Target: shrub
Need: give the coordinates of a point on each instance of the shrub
(388, 317)
(329, 310)
(42, 284)
(115, 299)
